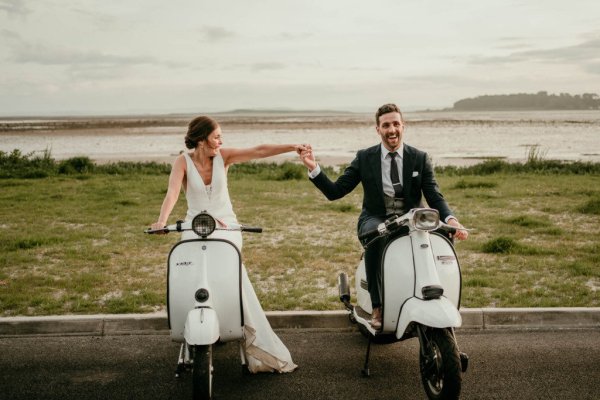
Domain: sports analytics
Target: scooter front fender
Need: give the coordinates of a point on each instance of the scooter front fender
(201, 327)
(435, 313)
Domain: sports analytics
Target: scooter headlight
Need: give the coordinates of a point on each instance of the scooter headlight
(203, 224)
(426, 219)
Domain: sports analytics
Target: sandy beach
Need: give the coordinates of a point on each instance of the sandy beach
(449, 138)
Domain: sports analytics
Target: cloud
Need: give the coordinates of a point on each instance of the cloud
(45, 55)
(585, 51)
(8, 34)
(593, 68)
(14, 7)
(78, 65)
(267, 66)
(513, 43)
(99, 19)
(216, 33)
(296, 36)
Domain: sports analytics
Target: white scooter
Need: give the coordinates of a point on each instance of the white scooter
(204, 297)
(421, 297)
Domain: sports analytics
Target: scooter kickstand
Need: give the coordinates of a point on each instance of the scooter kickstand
(365, 371)
(180, 362)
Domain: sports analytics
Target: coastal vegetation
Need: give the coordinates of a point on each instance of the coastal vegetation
(526, 101)
(72, 242)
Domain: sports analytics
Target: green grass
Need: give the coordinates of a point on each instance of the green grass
(72, 243)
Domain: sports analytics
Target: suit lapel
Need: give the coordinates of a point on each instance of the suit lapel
(408, 166)
(375, 163)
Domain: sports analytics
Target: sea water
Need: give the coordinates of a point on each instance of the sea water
(450, 138)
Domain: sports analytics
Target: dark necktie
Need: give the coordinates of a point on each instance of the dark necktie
(395, 178)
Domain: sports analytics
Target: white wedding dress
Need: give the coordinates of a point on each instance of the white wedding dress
(264, 351)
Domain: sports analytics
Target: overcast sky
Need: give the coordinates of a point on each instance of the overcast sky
(157, 56)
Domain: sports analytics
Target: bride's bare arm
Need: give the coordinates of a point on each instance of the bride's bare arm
(233, 155)
(175, 182)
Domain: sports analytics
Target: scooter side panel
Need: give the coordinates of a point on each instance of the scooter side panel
(447, 267)
(398, 280)
(438, 313)
(363, 298)
(218, 262)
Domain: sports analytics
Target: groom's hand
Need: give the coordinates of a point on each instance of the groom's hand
(308, 158)
(460, 234)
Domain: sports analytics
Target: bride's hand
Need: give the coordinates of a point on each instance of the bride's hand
(158, 226)
(301, 148)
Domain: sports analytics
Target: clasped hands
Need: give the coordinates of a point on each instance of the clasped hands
(306, 156)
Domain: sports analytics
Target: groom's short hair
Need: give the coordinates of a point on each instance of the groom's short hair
(387, 108)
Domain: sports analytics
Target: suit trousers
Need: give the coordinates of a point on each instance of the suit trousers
(373, 260)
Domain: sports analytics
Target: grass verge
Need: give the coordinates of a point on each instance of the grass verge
(71, 242)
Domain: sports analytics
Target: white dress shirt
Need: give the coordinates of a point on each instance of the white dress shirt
(386, 165)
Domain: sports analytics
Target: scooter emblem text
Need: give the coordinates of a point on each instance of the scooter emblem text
(183, 263)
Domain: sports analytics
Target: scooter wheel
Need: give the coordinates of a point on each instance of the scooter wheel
(440, 365)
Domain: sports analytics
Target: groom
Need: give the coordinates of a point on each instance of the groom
(395, 177)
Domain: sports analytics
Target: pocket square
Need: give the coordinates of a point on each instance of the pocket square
(415, 173)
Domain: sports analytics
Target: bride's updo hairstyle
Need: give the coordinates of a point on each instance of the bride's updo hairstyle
(198, 130)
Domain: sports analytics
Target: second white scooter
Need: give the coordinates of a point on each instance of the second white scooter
(421, 296)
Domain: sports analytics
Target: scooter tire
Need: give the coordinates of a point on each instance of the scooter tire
(202, 373)
(441, 378)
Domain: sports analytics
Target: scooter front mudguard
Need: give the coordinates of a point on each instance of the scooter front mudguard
(436, 313)
(201, 327)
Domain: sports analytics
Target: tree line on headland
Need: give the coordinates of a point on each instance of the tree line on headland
(525, 101)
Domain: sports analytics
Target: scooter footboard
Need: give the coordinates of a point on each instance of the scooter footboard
(437, 313)
(201, 327)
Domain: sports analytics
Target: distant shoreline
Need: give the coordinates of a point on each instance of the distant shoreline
(109, 125)
(459, 139)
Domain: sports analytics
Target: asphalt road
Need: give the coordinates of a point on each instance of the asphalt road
(504, 365)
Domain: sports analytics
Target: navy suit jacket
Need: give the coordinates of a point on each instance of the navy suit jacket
(418, 181)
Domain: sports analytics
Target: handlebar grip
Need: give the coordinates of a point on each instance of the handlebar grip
(151, 231)
(252, 229)
(448, 229)
(368, 235)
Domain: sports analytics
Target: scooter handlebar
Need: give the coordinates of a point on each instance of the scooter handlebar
(252, 229)
(166, 229)
(448, 228)
(151, 231)
(369, 235)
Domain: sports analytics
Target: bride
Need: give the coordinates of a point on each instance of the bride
(202, 173)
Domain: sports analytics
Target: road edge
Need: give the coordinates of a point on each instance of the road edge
(157, 323)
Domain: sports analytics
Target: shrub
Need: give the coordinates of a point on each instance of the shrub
(342, 207)
(527, 221)
(591, 207)
(269, 171)
(463, 184)
(76, 165)
(501, 245)
(289, 171)
(124, 168)
(19, 165)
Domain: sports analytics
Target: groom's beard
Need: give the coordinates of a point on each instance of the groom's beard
(393, 140)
